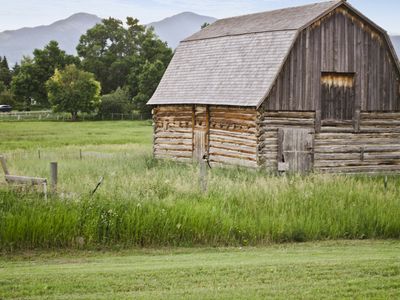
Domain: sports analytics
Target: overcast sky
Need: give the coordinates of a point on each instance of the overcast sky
(27, 13)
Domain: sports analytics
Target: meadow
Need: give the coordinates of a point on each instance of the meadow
(148, 203)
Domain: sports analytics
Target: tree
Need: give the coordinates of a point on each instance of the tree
(205, 24)
(29, 82)
(116, 102)
(103, 50)
(73, 90)
(7, 97)
(148, 82)
(5, 72)
(24, 84)
(117, 55)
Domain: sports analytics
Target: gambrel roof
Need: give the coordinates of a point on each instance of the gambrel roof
(235, 61)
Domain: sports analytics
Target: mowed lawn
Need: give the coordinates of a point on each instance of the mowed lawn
(353, 270)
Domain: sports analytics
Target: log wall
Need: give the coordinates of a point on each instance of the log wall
(173, 132)
(232, 136)
(230, 133)
(337, 148)
(374, 149)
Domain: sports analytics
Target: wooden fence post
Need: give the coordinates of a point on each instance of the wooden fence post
(4, 165)
(203, 178)
(38, 153)
(53, 176)
(385, 183)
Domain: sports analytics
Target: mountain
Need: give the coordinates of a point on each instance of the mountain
(14, 44)
(178, 27)
(396, 43)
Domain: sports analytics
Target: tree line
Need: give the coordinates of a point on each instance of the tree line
(117, 69)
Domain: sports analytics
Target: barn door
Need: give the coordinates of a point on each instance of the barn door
(295, 150)
(338, 96)
(200, 132)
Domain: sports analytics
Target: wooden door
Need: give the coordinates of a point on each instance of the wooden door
(295, 149)
(337, 96)
(200, 132)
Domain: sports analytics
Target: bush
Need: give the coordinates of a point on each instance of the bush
(116, 102)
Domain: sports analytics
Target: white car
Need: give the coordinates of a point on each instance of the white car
(5, 108)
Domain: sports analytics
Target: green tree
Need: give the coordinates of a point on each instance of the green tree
(29, 81)
(24, 84)
(205, 24)
(7, 97)
(147, 84)
(103, 50)
(15, 69)
(118, 54)
(73, 90)
(116, 102)
(5, 72)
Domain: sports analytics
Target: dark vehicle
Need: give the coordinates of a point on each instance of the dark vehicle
(5, 108)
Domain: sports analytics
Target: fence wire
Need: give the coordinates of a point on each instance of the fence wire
(51, 116)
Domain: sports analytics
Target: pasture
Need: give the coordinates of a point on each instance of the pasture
(147, 203)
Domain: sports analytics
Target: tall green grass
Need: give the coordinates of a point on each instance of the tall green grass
(145, 202)
(241, 207)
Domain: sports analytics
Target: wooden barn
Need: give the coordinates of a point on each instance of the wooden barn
(311, 88)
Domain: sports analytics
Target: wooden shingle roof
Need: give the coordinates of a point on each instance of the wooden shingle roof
(235, 61)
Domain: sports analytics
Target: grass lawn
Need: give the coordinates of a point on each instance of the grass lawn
(359, 269)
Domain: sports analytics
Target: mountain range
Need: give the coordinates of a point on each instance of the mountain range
(178, 27)
(14, 44)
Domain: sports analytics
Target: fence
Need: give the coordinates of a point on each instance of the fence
(51, 116)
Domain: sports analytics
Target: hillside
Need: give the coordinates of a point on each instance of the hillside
(178, 27)
(14, 44)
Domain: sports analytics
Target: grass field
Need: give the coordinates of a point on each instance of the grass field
(324, 270)
(74, 246)
(148, 203)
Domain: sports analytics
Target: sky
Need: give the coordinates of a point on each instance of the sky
(15, 14)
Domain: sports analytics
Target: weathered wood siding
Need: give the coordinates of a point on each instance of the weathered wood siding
(232, 136)
(269, 124)
(340, 42)
(173, 132)
(374, 149)
(230, 133)
(337, 148)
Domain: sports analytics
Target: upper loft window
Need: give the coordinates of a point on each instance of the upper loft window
(337, 96)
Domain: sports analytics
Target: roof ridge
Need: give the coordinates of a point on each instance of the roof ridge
(238, 34)
(282, 9)
(233, 25)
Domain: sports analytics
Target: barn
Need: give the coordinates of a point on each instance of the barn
(310, 88)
